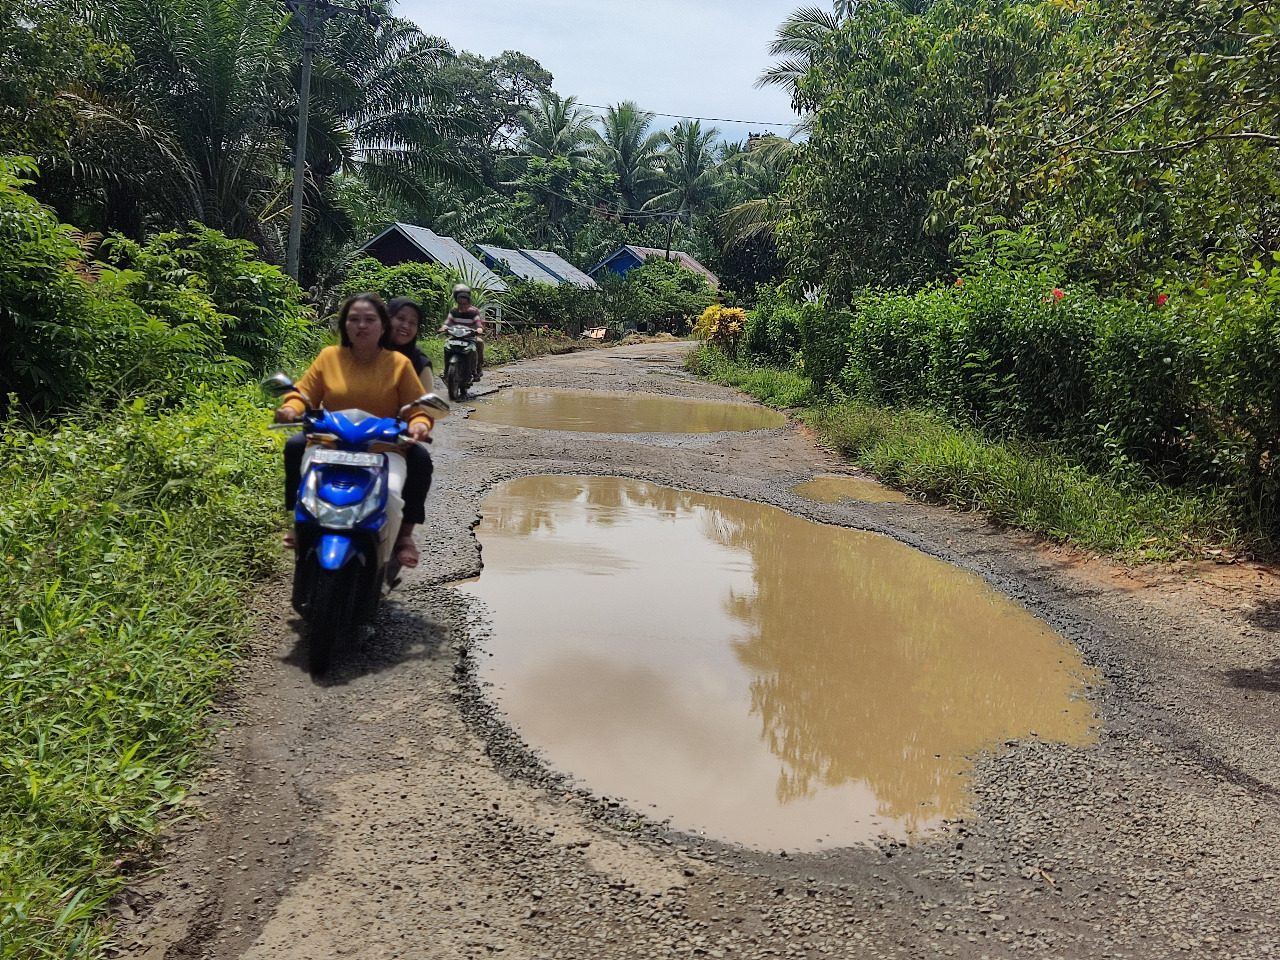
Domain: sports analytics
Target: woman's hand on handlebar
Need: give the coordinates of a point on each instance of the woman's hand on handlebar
(286, 415)
(418, 431)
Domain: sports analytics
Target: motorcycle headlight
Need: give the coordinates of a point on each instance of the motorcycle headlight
(340, 518)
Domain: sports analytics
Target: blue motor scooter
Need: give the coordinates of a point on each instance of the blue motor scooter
(347, 516)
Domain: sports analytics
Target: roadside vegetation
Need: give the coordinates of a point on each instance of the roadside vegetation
(1032, 263)
(139, 495)
(1022, 259)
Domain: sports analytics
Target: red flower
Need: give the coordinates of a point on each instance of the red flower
(959, 281)
(1162, 299)
(1058, 294)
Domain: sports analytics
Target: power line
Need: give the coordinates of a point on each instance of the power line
(685, 116)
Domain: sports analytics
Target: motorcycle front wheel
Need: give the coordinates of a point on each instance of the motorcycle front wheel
(455, 379)
(331, 613)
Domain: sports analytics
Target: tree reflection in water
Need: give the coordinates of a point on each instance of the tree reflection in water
(722, 625)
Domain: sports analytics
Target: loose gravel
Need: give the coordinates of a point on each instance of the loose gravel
(388, 810)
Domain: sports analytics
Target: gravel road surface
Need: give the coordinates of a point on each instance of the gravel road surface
(386, 811)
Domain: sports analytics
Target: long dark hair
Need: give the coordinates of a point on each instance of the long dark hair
(374, 301)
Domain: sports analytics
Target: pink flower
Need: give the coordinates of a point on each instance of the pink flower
(1058, 294)
(1162, 299)
(959, 281)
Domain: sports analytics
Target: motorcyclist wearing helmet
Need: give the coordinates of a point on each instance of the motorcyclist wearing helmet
(465, 315)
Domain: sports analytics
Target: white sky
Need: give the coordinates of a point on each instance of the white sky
(688, 57)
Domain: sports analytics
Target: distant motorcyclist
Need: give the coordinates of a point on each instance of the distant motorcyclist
(465, 315)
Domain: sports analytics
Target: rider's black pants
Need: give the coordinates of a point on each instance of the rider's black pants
(417, 481)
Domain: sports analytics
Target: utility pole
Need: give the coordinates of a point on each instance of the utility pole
(313, 14)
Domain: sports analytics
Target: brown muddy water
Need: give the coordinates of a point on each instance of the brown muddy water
(600, 411)
(752, 675)
(837, 488)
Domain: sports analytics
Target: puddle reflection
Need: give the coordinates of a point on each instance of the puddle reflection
(837, 488)
(600, 411)
(754, 675)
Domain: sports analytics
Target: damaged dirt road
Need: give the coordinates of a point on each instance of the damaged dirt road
(386, 811)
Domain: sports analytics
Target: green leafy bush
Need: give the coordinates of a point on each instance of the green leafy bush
(773, 328)
(260, 318)
(1182, 387)
(128, 540)
(162, 317)
(659, 295)
(430, 284)
(567, 308)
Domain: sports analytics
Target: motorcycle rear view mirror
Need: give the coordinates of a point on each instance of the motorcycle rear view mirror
(278, 385)
(430, 404)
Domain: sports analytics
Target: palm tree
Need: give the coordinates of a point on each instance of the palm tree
(766, 162)
(557, 127)
(214, 79)
(689, 168)
(200, 120)
(627, 149)
(798, 41)
(382, 113)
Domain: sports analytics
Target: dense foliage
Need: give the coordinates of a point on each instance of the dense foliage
(129, 538)
(168, 316)
(657, 296)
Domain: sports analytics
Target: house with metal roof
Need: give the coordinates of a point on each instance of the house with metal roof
(537, 266)
(626, 258)
(409, 243)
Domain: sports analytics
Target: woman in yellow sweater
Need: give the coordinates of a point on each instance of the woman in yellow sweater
(364, 374)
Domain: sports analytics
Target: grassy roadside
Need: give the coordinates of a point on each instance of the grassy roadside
(129, 540)
(1030, 487)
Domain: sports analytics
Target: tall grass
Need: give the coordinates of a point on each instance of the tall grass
(128, 540)
(1031, 486)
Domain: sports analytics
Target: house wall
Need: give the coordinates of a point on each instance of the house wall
(394, 249)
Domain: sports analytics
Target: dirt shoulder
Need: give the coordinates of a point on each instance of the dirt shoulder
(387, 811)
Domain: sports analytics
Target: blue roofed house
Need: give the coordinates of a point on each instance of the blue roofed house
(626, 258)
(537, 266)
(409, 243)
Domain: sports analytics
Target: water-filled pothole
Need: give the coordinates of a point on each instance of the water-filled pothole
(837, 488)
(600, 411)
(750, 674)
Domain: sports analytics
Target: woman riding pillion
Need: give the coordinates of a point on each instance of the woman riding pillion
(364, 374)
(465, 315)
(406, 323)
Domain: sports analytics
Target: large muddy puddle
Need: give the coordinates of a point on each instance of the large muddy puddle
(600, 411)
(752, 675)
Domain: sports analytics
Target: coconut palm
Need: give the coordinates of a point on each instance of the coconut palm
(557, 127)
(627, 148)
(689, 167)
(798, 41)
(766, 161)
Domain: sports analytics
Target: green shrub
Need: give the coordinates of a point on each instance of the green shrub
(773, 328)
(566, 308)
(824, 348)
(260, 316)
(162, 318)
(129, 540)
(430, 284)
(1183, 386)
(658, 296)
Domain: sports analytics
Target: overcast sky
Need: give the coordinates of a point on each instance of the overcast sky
(688, 57)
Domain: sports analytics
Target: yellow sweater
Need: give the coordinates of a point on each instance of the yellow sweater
(338, 381)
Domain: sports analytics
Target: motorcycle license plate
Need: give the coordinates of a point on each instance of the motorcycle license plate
(347, 458)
